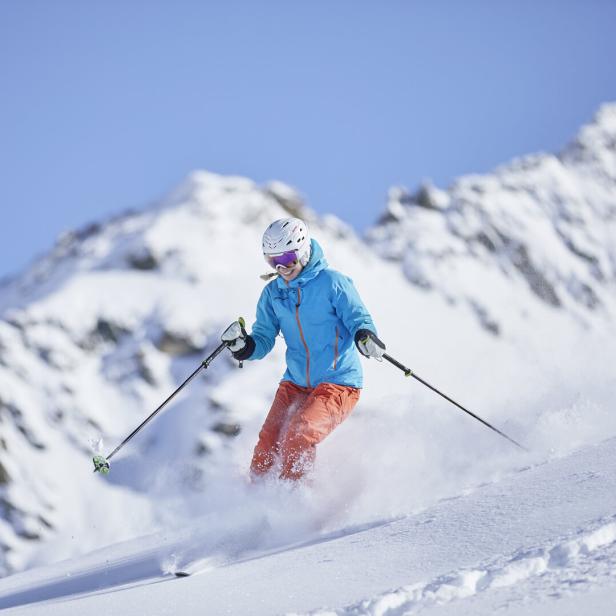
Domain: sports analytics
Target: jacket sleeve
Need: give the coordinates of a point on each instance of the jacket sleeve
(349, 307)
(265, 328)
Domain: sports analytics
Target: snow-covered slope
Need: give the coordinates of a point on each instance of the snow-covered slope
(97, 333)
(543, 537)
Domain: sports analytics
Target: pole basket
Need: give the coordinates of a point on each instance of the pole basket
(100, 465)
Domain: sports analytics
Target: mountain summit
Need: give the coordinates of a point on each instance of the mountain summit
(540, 231)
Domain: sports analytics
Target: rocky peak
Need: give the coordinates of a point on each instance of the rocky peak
(594, 147)
(537, 234)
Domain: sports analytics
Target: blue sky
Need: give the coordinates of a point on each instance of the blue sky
(107, 105)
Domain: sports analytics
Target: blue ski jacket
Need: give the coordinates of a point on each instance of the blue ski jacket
(318, 313)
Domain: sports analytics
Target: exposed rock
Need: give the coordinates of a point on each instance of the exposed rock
(108, 331)
(288, 198)
(228, 429)
(177, 344)
(4, 475)
(143, 259)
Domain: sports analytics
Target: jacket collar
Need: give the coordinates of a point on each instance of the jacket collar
(316, 264)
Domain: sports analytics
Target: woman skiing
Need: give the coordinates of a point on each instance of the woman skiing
(322, 319)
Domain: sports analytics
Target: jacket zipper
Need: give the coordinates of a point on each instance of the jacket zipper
(301, 334)
(336, 349)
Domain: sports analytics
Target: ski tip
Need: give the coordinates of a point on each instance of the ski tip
(181, 574)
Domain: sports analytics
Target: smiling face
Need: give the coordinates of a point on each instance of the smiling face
(290, 273)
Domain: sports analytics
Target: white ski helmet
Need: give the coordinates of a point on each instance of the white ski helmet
(286, 235)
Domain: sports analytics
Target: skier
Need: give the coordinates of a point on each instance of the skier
(322, 319)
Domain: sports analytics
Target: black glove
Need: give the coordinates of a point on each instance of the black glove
(368, 344)
(239, 342)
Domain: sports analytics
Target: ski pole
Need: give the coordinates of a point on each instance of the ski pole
(408, 372)
(101, 463)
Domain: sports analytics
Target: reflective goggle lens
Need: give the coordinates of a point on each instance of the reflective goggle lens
(286, 259)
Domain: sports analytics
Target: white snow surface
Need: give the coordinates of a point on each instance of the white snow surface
(540, 539)
(500, 291)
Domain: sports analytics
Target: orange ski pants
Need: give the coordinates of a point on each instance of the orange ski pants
(299, 419)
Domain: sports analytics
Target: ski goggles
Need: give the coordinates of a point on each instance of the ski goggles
(285, 259)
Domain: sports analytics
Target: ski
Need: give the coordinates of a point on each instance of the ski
(193, 567)
(248, 533)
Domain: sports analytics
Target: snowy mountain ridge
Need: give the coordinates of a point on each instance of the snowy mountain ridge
(90, 326)
(543, 226)
(97, 333)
